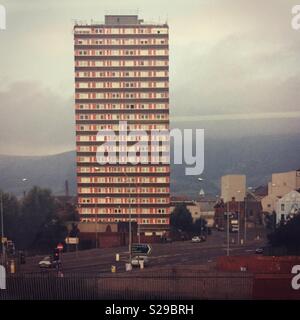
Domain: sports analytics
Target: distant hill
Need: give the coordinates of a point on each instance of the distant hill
(257, 157)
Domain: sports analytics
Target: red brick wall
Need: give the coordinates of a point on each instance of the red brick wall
(274, 286)
(258, 264)
(271, 275)
(116, 239)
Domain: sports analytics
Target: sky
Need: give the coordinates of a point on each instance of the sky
(234, 64)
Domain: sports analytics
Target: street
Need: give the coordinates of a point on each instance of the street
(163, 255)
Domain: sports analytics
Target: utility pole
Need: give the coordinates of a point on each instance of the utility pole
(130, 232)
(239, 211)
(129, 222)
(245, 221)
(96, 226)
(227, 215)
(2, 228)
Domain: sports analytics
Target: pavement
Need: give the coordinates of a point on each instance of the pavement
(164, 255)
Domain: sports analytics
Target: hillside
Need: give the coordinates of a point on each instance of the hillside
(257, 157)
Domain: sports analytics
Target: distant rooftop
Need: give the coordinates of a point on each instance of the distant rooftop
(113, 20)
(122, 19)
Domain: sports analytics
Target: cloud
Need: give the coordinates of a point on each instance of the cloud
(34, 120)
(227, 57)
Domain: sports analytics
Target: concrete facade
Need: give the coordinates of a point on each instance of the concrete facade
(269, 203)
(284, 182)
(288, 205)
(122, 86)
(233, 186)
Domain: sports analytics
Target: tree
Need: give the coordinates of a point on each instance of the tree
(11, 215)
(199, 226)
(270, 221)
(41, 227)
(287, 235)
(181, 218)
(67, 211)
(74, 232)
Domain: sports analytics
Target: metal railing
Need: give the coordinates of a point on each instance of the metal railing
(133, 286)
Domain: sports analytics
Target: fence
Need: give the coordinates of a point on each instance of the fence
(135, 286)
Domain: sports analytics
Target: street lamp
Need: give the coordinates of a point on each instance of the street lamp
(227, 216)
(239, 209)
(96, 217)
(245, 218)
(24, 180)
(2, 228)
(130, 232)
(200, 180)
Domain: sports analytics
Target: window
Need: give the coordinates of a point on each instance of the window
(282, 207)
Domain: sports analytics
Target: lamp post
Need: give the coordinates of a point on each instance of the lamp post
(96, 169)
(24, 180)
(245, 218)
(200, 180)
(130, 232)
(239, 210)
(227, 215)
(2, 228)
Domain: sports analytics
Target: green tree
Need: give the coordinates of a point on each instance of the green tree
(287, 235)
(199, 226)
(67, 212)
(181, 218)
(270, 221)
(11, 215)
(41, 227)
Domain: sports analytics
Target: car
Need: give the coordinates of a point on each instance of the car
(203, 238)
(259, 251)
(196, 239)
(221, 229)
(135, 261)
(47, 262)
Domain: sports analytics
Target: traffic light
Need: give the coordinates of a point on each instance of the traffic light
(56, 255)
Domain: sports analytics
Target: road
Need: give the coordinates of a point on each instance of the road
(163, 255)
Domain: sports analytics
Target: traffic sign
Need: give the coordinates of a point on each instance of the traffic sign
(141, 249)
(3, 240)
(60, 246)
(72, 240)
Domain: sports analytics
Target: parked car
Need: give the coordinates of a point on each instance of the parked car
(47, 262)
(135, 261)
(203, 238)
(259, 251)
(221, 229)
(198, 239)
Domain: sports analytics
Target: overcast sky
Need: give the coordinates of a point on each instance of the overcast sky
(229, 59)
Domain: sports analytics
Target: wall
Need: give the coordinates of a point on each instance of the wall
(230, 184)
(283, 183)
(269, 203)
(258, 263)
(274, 286)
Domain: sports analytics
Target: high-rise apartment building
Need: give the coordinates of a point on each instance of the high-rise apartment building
(122, 75)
